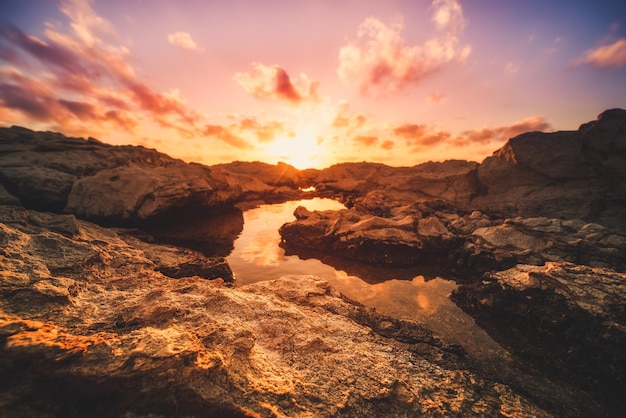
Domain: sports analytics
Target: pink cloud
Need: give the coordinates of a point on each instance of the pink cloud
(273, 83)
(81, 79)
(612, 55)
(502, 133)
(419, 136)
(264, 132)
(381, 61)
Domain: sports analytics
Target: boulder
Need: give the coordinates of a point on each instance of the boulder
(562, 318)
(397, 241)
(137, 194)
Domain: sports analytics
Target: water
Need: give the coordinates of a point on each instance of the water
(403, 294)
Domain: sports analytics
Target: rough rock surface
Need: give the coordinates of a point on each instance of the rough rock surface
(469, 244)
(564, 318)
(91, 326)
(103, 321)
(401, 240)
(51, 172)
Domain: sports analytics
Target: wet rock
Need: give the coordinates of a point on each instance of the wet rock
(368, 238)
(565, 319)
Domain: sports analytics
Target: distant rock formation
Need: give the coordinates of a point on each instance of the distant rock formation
(125, 185)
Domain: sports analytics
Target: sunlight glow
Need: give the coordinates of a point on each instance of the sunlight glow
(302, 150)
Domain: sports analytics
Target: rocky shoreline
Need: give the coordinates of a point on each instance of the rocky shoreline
(115, 296)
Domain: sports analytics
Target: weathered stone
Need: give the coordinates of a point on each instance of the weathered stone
(125, 184)
(569, 320)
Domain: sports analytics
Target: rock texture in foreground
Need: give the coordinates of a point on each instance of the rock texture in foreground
(567, 319)
(90, 326)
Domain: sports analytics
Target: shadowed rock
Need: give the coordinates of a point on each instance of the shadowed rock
(569, 320)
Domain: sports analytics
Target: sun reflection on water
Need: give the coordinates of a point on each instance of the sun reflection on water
(257, 256)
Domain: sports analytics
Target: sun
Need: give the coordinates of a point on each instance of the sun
(302, 150)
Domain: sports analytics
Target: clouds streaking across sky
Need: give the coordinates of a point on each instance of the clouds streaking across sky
(310, 83)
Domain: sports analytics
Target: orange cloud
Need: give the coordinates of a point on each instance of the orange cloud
(502, 133)
(273, 83)
(420, 135)
(346, 120)
(265, 132)
(183, 40)
(227, 136)
(366, 140)
(387, 145)
(606, 56)
(381, 61)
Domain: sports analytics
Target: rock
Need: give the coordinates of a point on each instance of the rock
(540, 240)
(90, 326)
(137, 194)
(568, 320)
(50, 172)
(371, 239)
(451, 180)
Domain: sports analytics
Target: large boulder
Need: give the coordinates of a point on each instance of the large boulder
(562, 318)
(133, 193)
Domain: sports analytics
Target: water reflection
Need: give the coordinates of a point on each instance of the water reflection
(401, 293)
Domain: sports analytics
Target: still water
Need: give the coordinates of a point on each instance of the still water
(404, 294)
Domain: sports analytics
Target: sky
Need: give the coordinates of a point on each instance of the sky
(311, 82)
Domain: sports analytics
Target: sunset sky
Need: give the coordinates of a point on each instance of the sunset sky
(310, 83)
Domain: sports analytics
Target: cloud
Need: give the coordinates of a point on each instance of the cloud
(381, 61)
(273, 83)
(183, 40)
(366, 140)
(387, 144)
(264, 132)
(502, 133)
(81, 79)
(510, 68)
(419, 136)
(227, 136)
(436, 97)
(346, 120)
(607, 56)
